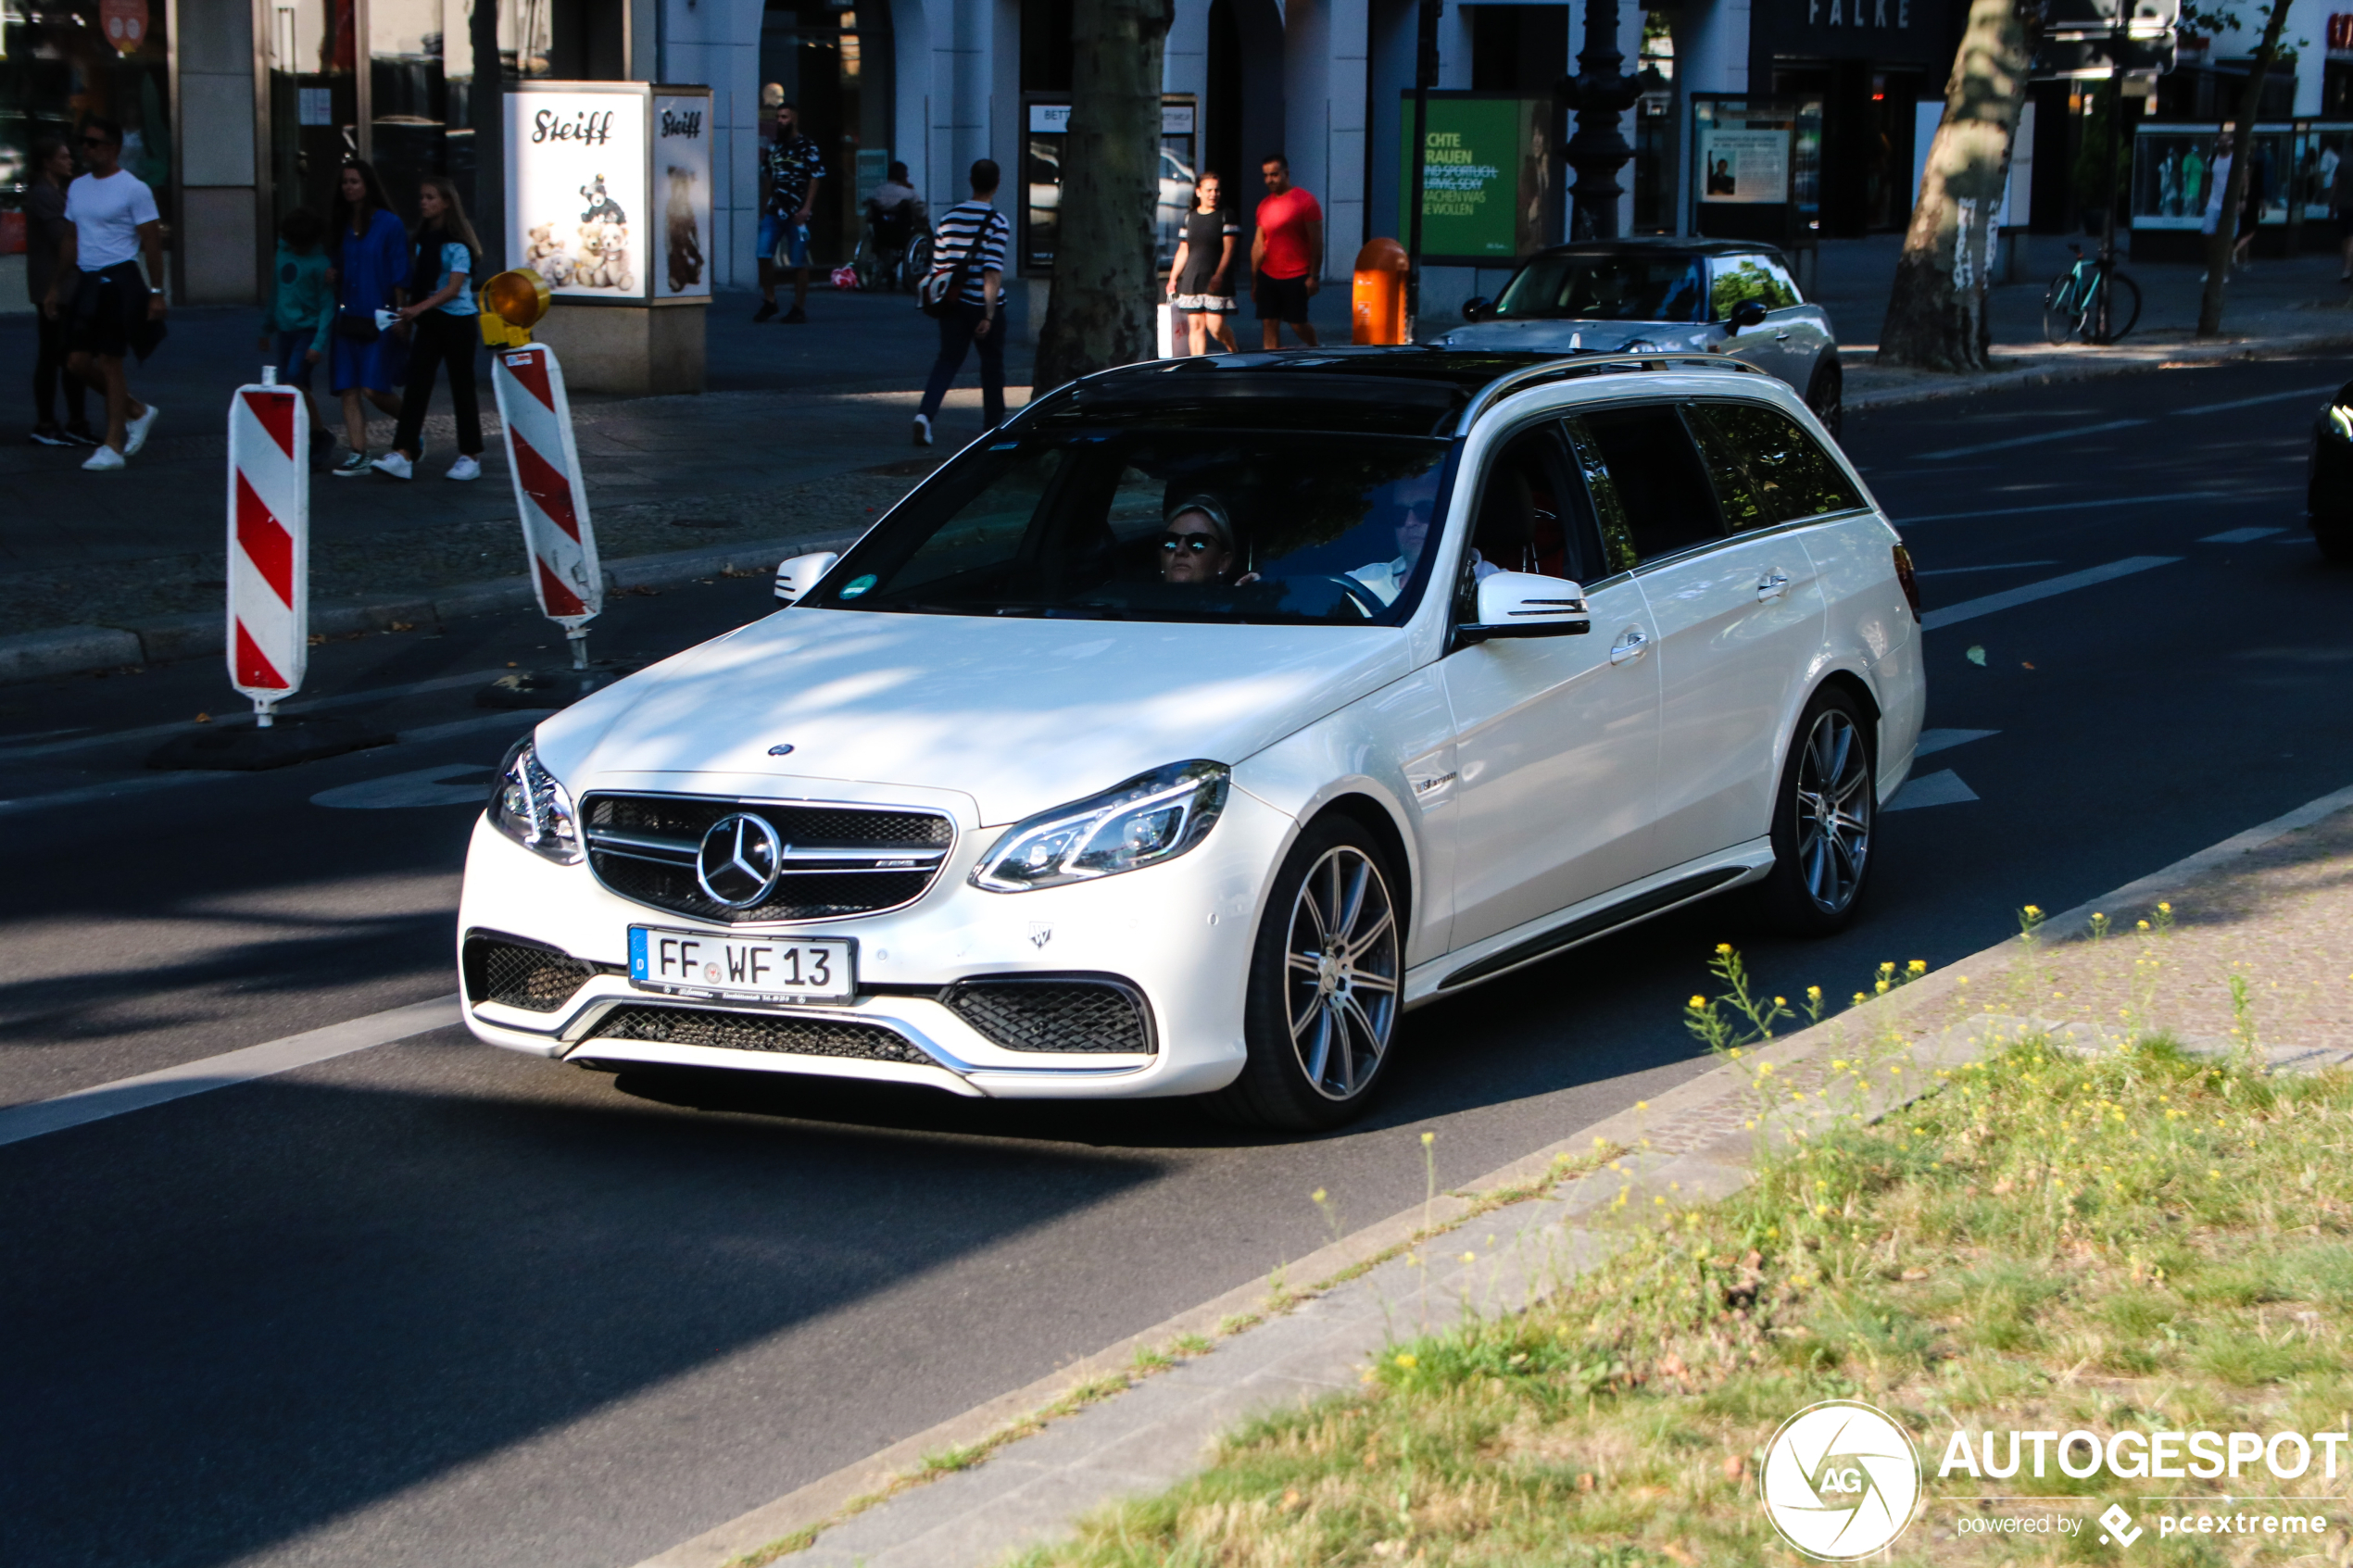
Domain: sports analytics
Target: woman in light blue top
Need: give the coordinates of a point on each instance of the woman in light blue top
(441, 283)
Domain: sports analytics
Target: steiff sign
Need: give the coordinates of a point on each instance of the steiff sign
(608, 190)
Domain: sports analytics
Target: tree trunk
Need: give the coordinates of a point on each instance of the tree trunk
(1936, 317)
(1100, 312)
(2218, 244)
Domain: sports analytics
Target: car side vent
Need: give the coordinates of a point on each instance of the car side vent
(524, 974)
(1097, 1014)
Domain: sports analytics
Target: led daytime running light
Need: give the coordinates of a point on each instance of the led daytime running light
(530, 807)
(1150, 817)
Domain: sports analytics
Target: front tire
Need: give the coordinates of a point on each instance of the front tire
(1326, 982)
(1823, 817)
(1827, 396)
(2063, 316)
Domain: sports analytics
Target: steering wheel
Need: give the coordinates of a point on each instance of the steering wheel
(1366, 602)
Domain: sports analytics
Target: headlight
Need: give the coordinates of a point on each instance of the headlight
(1152, 817)
(530, 807)
(2341, 421)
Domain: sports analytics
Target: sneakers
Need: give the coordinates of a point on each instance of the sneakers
(49, 436)
(465, 468)
(395, 464)
(923, 429)
(796, 317)
(351, 466)
(103, 461)
(767, 311)
(83, 435)
(136, 432)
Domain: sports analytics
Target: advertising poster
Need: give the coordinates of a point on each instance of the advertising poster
(576, 207)
(1738, 164)
(682, 177)
(1471, 206)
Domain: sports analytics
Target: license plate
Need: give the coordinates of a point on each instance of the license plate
(697, 963)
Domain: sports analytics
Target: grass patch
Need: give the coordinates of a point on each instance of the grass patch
(2133, 1238)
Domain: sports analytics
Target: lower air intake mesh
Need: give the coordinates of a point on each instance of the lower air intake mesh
(1103, 1016)
(757, 1032)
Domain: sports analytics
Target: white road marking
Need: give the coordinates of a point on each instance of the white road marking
(2267, 397)
(97, 1104)
(2238, 535)
(2221, 496)
(1969, 609)
(2035, 440)
(143, 784)
(2005, 566)
(1942, 740)
(299, 705)
(1935, 789)
(424, 786)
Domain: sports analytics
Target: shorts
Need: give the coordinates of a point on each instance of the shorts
(1206, 304)
(783, 242)
(110, 313)
(1283, 300)
(291, 351)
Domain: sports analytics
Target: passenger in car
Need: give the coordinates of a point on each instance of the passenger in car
(1198, 544)
(1387, 578)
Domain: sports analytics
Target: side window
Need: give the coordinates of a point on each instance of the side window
(1601, 495)
(1663, 494)
(1532, 516)
(1732, 279)
(1794, 477)
(1784, 286)
(1740, 493)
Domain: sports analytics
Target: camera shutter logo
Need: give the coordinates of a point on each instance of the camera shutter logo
(739, 860)
(1840, 1480)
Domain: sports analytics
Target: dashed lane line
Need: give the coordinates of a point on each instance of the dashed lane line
(2036, 440)
(102, 1102)
(2050, 588)
(2267, 397)
(2224, 496)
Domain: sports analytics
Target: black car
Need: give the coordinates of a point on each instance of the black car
(2328, 495)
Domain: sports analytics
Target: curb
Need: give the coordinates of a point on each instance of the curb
(83, 650)
(1694, 1142)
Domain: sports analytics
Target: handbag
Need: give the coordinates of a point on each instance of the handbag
(937, 294)
(357, 326)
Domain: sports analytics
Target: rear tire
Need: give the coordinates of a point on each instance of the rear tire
(1827, 396)
(1326, 982)
(1824, 816)
(2123, 305)
(2061, 315)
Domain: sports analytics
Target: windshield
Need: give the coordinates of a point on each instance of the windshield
(1606, 288)
(1159, 524)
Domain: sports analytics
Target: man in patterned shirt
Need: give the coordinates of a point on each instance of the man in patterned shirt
(790, 168)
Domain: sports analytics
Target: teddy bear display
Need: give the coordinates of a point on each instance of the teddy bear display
(685, 243)
(547, 258)
(603, 262)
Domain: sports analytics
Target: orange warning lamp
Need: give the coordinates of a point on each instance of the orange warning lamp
(512, 304)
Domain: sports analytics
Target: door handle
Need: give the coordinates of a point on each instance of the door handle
(1773, 584)
(1631, 645)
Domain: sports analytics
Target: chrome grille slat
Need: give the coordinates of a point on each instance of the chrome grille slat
(840, 860)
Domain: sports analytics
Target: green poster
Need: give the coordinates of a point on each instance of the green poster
(1471, 197)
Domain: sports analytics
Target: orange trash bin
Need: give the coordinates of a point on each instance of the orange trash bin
(1378, 299)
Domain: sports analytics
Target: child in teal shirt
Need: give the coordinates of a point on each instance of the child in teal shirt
(302, 312)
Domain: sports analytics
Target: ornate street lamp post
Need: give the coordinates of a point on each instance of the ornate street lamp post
(1600, 92)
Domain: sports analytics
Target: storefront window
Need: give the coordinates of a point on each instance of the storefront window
(2173, 173)
(834, 65)
(2318, 150)
(420, 71)
(314, 100)
(63, 62)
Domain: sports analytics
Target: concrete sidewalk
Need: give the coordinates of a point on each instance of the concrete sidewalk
(2272, 906)
(803, 437)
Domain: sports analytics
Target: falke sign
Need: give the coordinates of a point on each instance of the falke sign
(1859, 13)
(1897, 33)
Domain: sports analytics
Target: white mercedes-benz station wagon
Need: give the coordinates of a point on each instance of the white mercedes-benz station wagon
(1180, 734)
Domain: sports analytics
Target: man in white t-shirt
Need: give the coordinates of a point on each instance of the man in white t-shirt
(111, 226)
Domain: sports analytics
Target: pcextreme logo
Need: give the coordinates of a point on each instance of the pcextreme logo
(1840, 1480)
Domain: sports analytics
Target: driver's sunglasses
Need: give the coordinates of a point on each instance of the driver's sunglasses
(1198, 544)
(97, 140)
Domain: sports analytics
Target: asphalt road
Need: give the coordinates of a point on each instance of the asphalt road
(431, 1303)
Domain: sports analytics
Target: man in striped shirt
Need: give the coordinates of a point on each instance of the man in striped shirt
(971, 233)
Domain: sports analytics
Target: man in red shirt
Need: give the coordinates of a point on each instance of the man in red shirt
(1287, 255)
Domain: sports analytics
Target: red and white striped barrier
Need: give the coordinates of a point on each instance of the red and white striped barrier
(549, 492)
(269, 542)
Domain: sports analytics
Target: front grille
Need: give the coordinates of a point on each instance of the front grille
(757, 1032)
(523, 974)
(1061, 1013)
(839, 860)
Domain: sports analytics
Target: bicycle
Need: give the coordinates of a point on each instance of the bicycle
(2072, 308)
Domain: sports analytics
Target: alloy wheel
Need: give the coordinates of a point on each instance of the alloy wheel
(1833, 811)
(1340, 973)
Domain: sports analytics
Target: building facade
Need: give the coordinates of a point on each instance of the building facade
(241, 109)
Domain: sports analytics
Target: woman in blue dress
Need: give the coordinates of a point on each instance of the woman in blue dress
(372, 274)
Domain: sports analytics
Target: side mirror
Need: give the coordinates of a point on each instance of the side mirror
(800, 574)
(1522, 604)
(1747, 314)
(1478, 308)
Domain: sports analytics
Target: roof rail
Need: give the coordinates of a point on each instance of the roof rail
(1496, 390)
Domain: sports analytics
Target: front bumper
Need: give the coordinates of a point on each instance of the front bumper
(1179, 934)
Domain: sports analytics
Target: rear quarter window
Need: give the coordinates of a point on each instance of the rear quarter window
(1792, 477)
